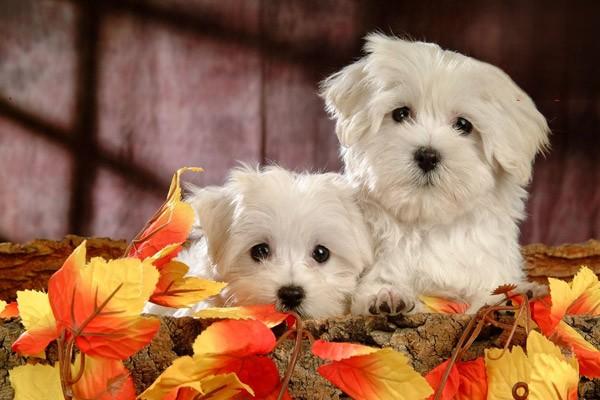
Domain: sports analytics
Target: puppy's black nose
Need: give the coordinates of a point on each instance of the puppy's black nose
(427, 158)
(290, 296)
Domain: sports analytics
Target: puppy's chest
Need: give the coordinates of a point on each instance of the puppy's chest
(446, 253)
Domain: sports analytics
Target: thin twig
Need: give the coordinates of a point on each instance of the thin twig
(294, 357)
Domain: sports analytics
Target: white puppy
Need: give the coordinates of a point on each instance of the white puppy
(441, 146)
(296, 240)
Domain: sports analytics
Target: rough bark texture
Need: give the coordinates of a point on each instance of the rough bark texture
(426, 339)
(29, 266)
(561, 261)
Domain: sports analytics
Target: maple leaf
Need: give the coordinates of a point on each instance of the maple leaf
(579, 297)
(379, 374)
(548, 373)
(265, 313)
(175, 290)
(10, 310)
(38, 320)
(467, 380)
(99, 304)
(236, 347)
(33, 382)
(103, 379)
(186, 377)
(444, 306)
(171, 224)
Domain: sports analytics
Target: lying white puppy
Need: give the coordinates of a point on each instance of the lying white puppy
(296, 240)
(441, 146)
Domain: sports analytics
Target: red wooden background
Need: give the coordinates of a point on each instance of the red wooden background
(100, 101)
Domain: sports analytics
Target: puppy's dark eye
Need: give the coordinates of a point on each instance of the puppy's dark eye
(463, 125)
(260, 252)
(320, 254)
(400, 114)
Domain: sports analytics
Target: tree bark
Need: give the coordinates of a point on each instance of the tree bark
(426, 339)
(29, 266)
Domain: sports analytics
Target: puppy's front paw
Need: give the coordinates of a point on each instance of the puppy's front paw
(389, 301)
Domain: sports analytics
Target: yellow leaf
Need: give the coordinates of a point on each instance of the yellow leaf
(191, 373)
(177, 291)
(35, 310)
(38, 319)
(136, 281)
(36, 382)
(504, 372)
(384, 374)
(552, 378)
(266, 313)
(2, 305)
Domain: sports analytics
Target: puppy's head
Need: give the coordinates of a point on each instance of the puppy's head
(429, 131)
(296, 240)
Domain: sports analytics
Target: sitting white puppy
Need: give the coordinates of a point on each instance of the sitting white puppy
(441, 146)
(296, 240)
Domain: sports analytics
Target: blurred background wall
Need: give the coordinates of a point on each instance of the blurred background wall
(100, 101)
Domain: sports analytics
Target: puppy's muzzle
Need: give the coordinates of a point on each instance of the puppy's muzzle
(290, 296)
(427, 158)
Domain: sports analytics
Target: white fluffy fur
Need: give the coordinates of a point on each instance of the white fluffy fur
(292, 213)
(452, 233)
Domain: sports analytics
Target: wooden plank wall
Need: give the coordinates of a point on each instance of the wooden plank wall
(101, 101)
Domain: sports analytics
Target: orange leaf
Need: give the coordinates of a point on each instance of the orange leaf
(339, 351)
(10, 310)
(588, 356)
(103, 379)
(266, 313)
(384, 374)
(444, 306)
(257, 371)
(188, 376)
(434, 377)
(235, 338)
(170, 225)
(467, 380)
(177, 291)
(39, 323)
(99, 304)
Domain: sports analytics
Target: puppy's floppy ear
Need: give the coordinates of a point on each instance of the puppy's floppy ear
(346, 95)
(517, 131)
(213, 209)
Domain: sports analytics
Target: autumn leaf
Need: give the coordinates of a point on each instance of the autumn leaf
(36, 382)
(170, 225)
(226, 347)
(548, 373)
(235, 338)
(380, 374)
(579, 297)
(10, 310)
(187, 376)
(265, 313)
(38, 320)
(177, 291)
(467, 380)
(588, 356)
(99, 304)
(444, 306)
(339, 351)
(103, 379)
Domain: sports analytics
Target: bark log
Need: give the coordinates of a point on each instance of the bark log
(426, 339)
(29, 266)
